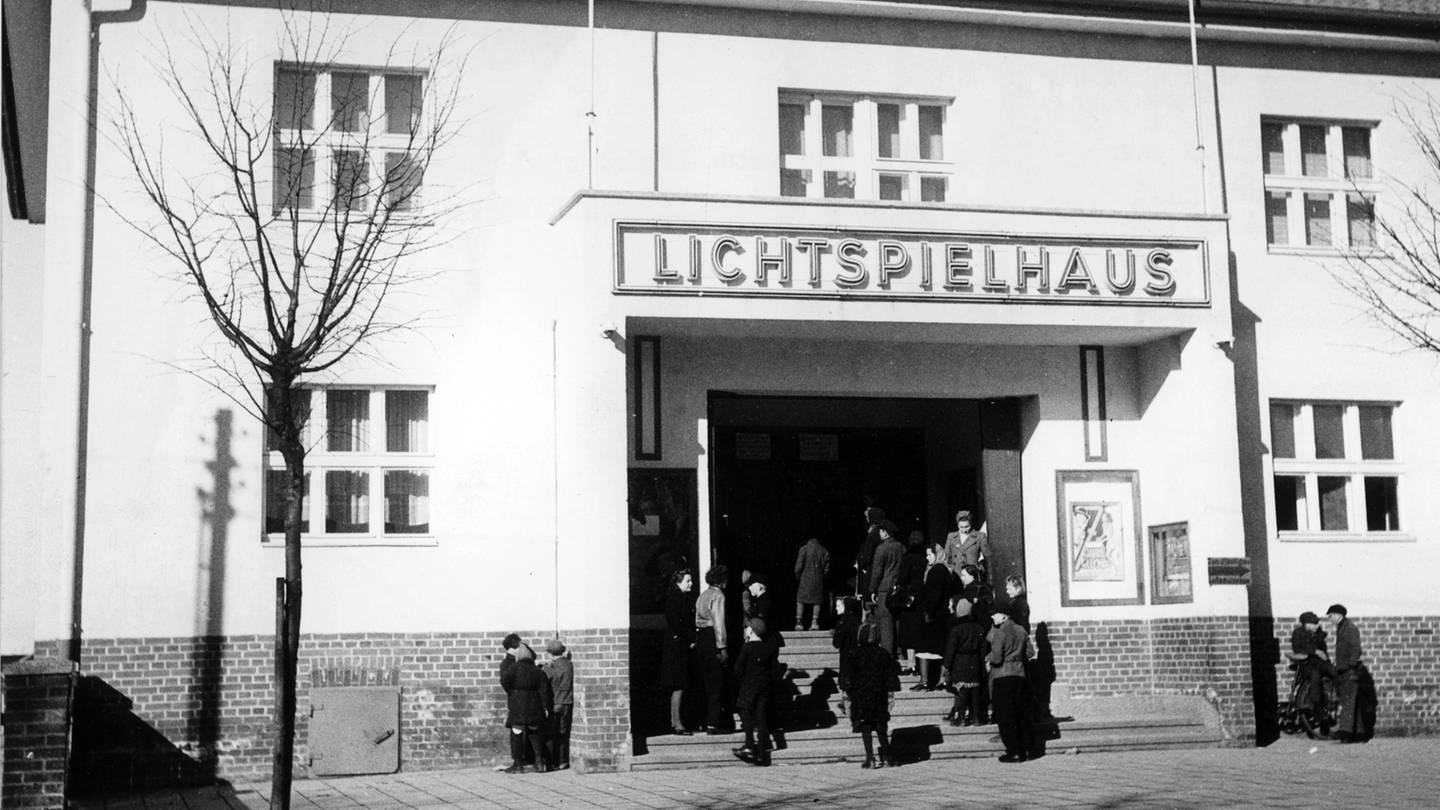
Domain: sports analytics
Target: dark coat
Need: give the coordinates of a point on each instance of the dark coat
(885, 570)
(1347, 646)
(923, 626)
(812, 565)
(756, 668)
(1304, 643)
(874, 674)
(845, 637)
(1020, 611)
(561, 672)
(965, 652)
(865, 557)
(679, 640)
(529, 700)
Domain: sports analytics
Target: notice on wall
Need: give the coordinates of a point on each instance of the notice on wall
(819, 447)
(752, 446)
(1229, 570)
(1170, 581)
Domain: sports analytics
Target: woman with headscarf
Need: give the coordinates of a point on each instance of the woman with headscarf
(679, 645)
(932, 611)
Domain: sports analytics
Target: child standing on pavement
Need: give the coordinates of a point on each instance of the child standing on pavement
(561, 673)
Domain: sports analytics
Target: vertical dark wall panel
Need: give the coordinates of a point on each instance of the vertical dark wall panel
(1000, 476)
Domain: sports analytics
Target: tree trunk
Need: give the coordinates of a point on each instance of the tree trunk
(287, 647)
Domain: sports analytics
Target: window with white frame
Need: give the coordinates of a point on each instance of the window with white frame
(864, 147)
(1320, 185)
(1336, 471)
(370, 459)
(360, 142)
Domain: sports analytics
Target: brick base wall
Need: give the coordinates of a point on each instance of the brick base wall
(210, 699)
(1207, 656)
(36, 727)
(1401, 653)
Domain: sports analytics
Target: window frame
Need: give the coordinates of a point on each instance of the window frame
(1353, 467)
(323, 140)
(376, 461)
(864, 161)
(1335, 185)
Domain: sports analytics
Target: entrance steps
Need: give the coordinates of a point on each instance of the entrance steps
(819, 733)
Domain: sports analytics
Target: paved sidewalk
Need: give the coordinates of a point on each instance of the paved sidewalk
(1292, 774)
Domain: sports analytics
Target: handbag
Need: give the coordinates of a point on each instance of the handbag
(899, 598)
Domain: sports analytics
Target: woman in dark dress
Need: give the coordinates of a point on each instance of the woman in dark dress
(874, 676)
(932, 609)
(679, 644)
(908, 621)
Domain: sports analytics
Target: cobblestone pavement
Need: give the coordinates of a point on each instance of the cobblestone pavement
(1291, 774)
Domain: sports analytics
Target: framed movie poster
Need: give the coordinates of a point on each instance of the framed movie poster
(1099, 525)
(1170, 581)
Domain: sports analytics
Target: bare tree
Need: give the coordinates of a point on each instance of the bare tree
(1397, 280)
(295, 274)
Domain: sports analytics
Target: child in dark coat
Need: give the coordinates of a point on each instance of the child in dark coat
(874, 676)
(529, 704)
(965, 666)
(844, 638)
(755, 671)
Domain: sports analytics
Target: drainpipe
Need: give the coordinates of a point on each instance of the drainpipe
(1195, 98)
(590, 114)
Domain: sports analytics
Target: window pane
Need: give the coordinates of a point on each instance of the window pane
(792, 129)
(1277, 219)
(835, 128)
(1333, 514)
(1312, 151)
(932, 142)
(1360, 212)
(892, 186)
(1317, 219)
(1375, 438)
(402, 102)
(351, 179)
(294, 98)
(294, 180)
(347, 501)
(407, 502)
(348, 416)
(1329, 431)
(1290, 510)
(840, 185)
(1382, 510)
(933, 188)
(1282, 430)
(888, 137)
(1357, 152)
(275, 481)
(407, 421)
(402, 181)
(1272, 147)
(350, 101)
(302, 400)
(794, 182)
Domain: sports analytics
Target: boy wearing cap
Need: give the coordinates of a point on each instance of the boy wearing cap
(755, 669)
(561, 673)
(1312, 662)
(1009, 692)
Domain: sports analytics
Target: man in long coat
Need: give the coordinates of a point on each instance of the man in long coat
(812, 565)
(884, 573)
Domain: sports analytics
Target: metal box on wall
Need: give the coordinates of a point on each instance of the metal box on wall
(354, 730)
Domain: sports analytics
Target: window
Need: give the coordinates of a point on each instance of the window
(1320, 185)
(863, 147)
(365, 149)
(1336, 475)
(370, 455)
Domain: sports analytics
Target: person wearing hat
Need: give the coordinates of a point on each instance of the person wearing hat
(884, 576)
(1349, 727)
(966, 545)
(756, 667)
(1009, 692)
(561, 673)
(1312, 661)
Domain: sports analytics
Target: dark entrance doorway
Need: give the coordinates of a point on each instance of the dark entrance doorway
(784, 469)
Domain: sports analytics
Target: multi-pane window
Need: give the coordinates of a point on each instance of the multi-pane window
(863, 147)
(1335, 468)
(361, 145)
(1320, 185)
(369, 462)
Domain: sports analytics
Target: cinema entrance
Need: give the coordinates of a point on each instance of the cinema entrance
(787, 468)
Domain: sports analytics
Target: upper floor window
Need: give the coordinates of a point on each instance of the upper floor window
(357, 150)
(366, 446)
(1320, 185)
(864, 147)
(1335, 465)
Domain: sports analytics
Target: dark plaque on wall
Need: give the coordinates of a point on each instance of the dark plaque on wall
(1229, 570)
